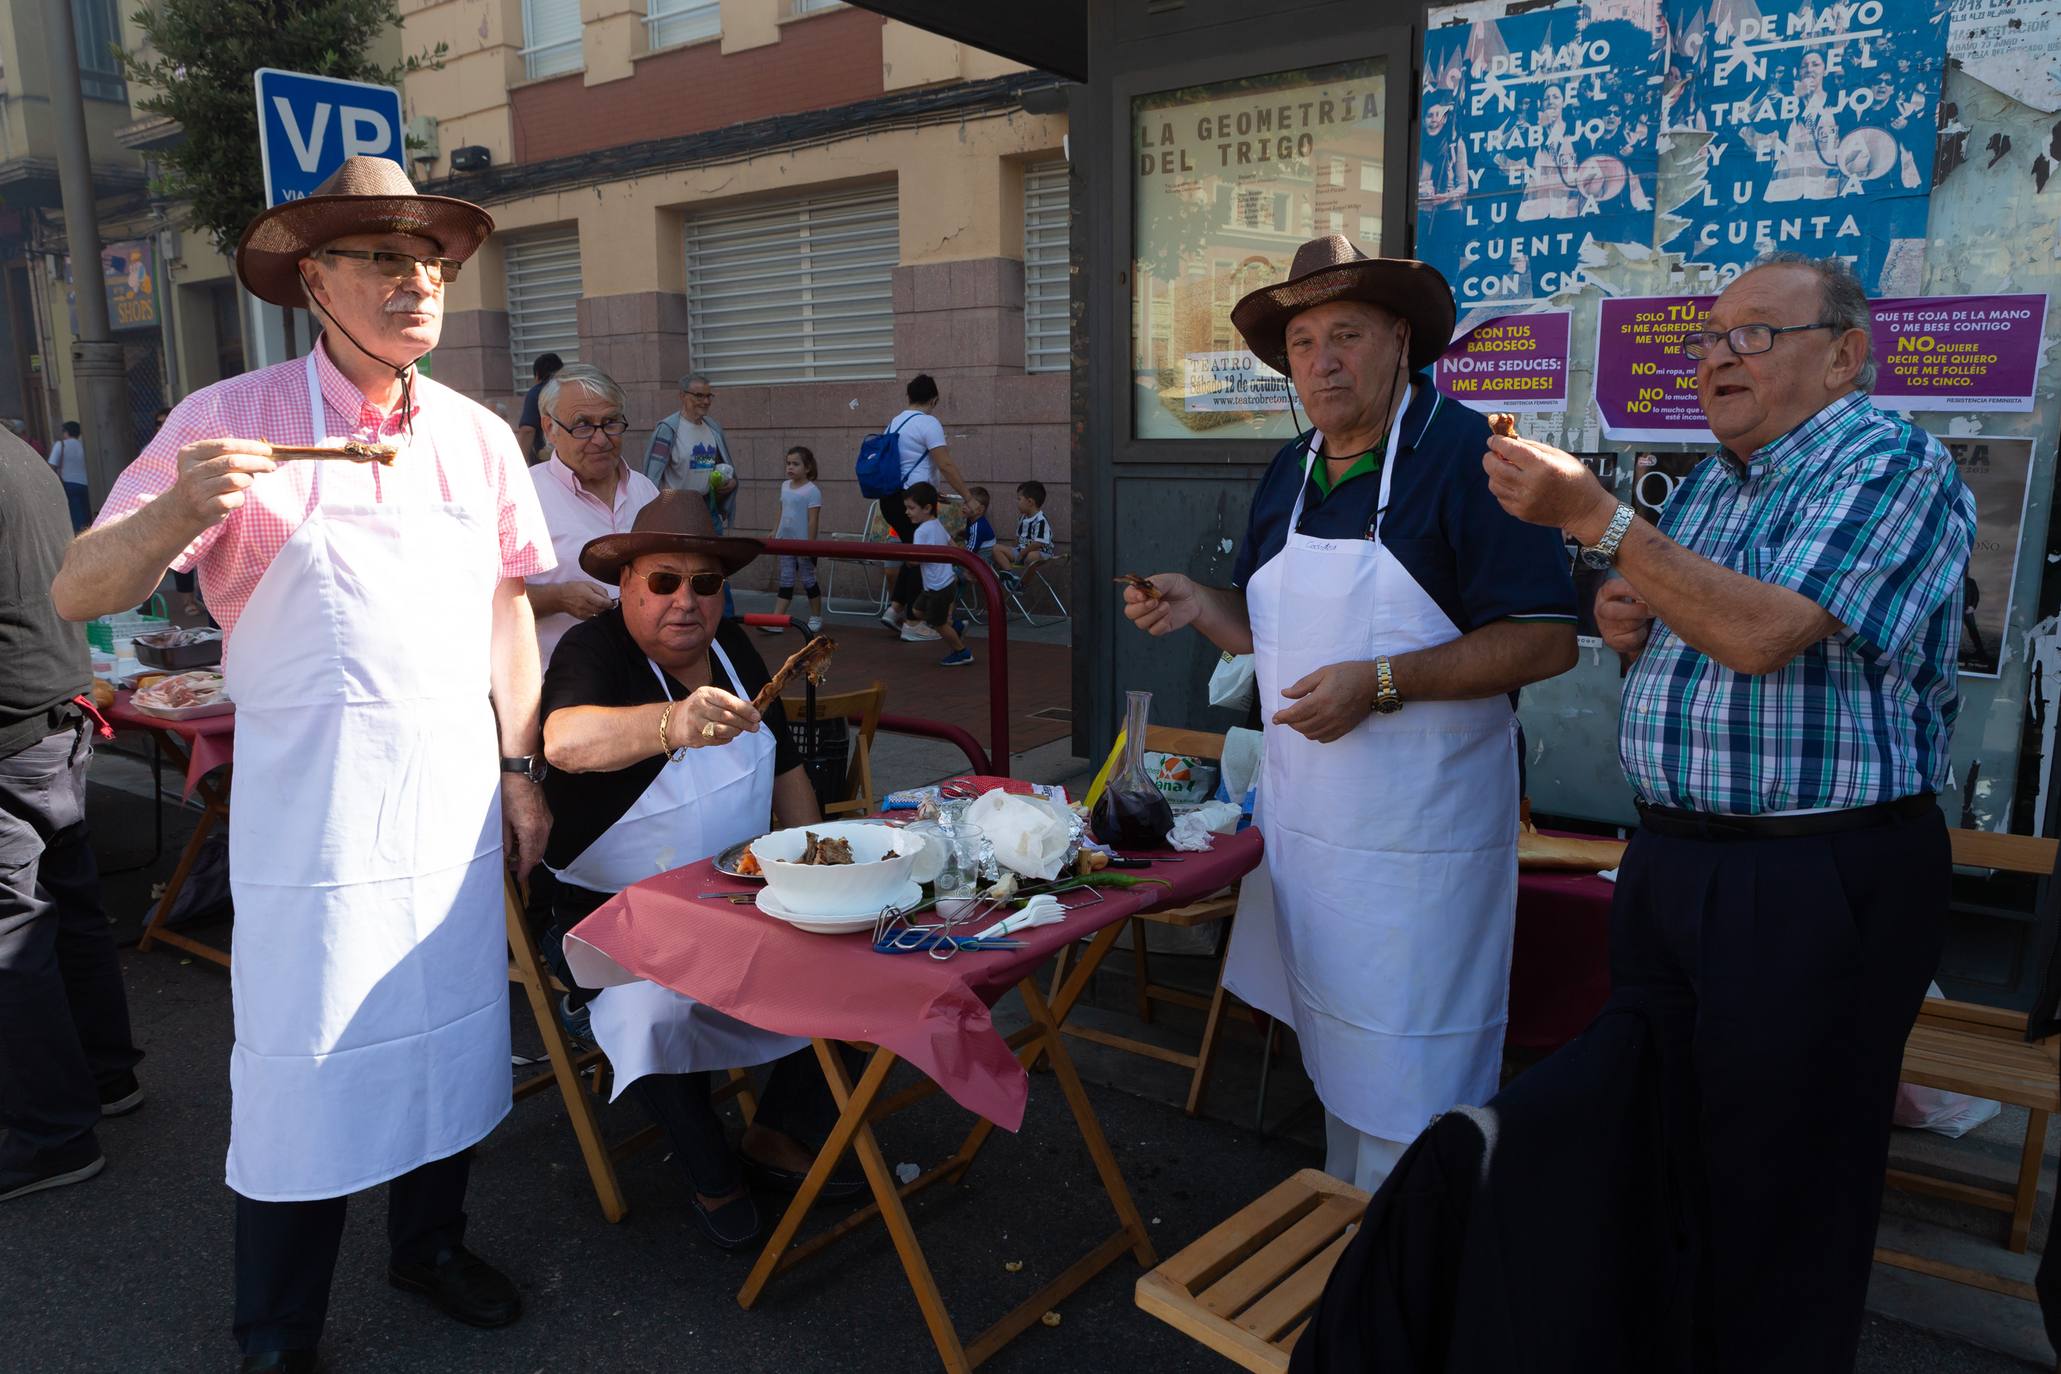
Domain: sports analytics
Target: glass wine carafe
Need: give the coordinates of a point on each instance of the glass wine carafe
(1131, 814)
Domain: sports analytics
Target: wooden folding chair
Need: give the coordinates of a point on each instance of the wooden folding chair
(1220, 907)
(526, 967)
(1247, 1287)
(1962, 1047)
(863, 708)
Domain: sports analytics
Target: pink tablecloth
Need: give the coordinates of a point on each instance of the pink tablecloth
(1560, 968)
(210, 741)
(932, 1013)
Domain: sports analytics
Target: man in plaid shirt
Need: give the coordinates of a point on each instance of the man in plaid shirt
(1796, 621)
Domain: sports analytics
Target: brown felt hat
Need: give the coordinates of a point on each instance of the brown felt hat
(1332, 269)
(673, 521)
(367, 195)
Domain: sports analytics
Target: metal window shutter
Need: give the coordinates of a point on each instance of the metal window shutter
(551, 37)
(1046, 347)
(673, 22)
(802, 291)
(543, 272)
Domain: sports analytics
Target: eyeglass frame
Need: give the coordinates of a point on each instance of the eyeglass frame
(692, 581)
(614, 429)
(441, 271)
(1775, 331)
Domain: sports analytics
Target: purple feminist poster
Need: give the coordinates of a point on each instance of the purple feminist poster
(1509, 362)
(1958, 352)
(1645, 380)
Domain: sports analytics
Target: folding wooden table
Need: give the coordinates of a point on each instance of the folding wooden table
(899, 1007)
(203, 749)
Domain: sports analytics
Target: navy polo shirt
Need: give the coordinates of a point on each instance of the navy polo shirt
(1477, 561)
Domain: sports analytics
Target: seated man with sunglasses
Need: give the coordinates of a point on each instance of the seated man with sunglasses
(658, 760)
(586, 491)
(1796, 623)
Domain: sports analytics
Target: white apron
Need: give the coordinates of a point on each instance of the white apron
(369, 971)
(697, 807)
(1383, 931)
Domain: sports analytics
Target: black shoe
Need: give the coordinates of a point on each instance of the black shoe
(75, 1163)
(775, 1180)
(462, 1285)
(280, 1362)
(121, 1097)
(731, 1226)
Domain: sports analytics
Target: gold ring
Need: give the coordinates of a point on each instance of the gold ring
(708, 731)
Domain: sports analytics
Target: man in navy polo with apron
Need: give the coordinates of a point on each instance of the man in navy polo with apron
(1392, 610)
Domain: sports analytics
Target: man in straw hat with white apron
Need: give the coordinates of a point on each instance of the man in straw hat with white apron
(378, 640)
(1392, 610)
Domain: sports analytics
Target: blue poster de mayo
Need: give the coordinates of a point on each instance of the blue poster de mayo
(1821, 122)
(1537, 144)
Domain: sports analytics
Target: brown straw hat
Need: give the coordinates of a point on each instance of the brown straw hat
(367, 195)
(673, 521)
(1331, 269)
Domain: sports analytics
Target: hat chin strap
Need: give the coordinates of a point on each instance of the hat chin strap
(404, 373)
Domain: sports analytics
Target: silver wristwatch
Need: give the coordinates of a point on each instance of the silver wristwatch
(1604, 552)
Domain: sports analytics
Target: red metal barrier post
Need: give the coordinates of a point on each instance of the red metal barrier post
(991, 595)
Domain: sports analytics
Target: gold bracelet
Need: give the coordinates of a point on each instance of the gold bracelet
(665, 720)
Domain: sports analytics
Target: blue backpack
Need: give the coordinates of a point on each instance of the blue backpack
(880, 469)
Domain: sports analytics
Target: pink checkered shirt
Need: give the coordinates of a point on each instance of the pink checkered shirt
(451, 432)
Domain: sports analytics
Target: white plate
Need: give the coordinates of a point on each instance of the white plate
(833, 925)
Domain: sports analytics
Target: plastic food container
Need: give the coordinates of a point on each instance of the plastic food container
(188, 696)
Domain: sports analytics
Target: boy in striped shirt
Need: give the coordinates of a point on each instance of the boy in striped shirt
(1033, 536)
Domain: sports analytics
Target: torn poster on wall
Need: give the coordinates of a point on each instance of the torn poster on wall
(1821, 124)
(1997, 471)
(1509, 362)
(1536, 145)
(2012, 45)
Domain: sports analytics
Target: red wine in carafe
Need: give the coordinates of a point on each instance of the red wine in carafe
(1132, 820)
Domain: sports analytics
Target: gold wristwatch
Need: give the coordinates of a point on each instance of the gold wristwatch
(1387, 700)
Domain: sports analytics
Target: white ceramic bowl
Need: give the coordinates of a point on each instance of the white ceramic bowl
(882, 860)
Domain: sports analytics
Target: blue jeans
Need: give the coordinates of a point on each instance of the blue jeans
(80, 500)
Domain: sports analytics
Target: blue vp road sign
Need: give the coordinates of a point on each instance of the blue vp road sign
(307, 126)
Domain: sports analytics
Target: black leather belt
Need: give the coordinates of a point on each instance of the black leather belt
(1707, 825)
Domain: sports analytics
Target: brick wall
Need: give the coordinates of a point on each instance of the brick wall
(823, 61)
(961, 322)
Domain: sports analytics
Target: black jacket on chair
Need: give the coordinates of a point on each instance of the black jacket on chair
(1541, 1233)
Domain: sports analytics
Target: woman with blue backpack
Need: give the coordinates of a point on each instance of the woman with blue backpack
(918, 455)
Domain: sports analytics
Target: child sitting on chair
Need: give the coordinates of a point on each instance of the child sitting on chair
(979, 536)
(933, 609)
(1033, 536)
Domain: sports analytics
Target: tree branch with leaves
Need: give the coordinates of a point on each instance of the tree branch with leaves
(197, 69)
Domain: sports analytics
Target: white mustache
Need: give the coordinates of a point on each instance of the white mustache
(405, 303)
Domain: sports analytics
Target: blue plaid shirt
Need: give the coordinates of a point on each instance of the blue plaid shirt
(1866, 516)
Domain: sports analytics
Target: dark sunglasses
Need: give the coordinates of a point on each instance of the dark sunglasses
(665, 582)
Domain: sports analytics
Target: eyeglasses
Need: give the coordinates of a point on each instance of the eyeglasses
(701, 395)
(401, 266)
(585, 429)
(664, 582)
(1746, 340)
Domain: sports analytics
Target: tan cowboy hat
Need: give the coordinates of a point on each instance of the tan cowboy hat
(673, 521)
(367, 195)
(1331, 269)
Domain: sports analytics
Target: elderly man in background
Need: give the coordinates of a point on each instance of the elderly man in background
(1392, 610)
(1796, 622)
(378, 641)
(586, 490)
(689, 453)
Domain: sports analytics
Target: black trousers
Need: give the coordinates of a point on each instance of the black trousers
(909, 576)
(795, 1101)
(64, 1017)
(1782, 977)
(286, 1251)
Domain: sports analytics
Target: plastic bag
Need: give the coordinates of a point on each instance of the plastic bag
(1935, 1109)
(1234, 683)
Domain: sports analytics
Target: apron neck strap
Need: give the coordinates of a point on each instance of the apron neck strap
(729, 671)
(317, 420)
(1316, 442)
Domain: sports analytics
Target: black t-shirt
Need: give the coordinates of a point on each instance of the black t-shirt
(43, 659)
(533, 416)
(598, 664)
